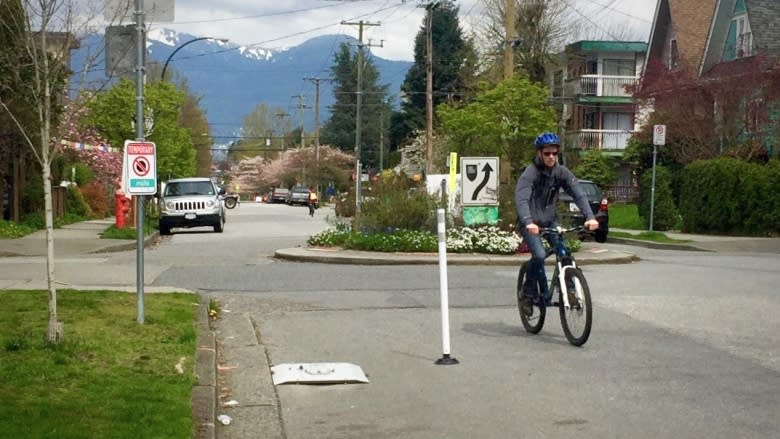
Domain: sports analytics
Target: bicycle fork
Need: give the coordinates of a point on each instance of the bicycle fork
(562, 269)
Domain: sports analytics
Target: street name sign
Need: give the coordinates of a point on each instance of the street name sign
(479, 181)
(140, 165)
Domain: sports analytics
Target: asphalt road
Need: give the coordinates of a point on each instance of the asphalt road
(684, 344)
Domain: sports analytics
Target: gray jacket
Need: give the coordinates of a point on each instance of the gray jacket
(536, 194)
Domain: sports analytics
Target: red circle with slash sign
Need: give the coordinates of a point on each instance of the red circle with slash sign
(141, 166)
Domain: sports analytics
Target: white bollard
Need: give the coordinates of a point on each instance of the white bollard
(445, 306)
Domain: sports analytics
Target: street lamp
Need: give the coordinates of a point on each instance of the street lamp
(165, 67)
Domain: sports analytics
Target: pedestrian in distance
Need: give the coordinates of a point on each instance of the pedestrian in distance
(312, 200)
(536, 196)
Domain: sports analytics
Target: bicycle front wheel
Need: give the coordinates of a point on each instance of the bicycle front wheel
(532, 315)
(578, 318)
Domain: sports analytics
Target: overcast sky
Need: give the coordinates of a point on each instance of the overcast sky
(284, 23)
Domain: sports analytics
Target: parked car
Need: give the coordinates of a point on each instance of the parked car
(599, 205)
(191, 202)
(279, 195)
(298, 195)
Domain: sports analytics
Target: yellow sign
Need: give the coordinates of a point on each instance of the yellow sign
(453, 170)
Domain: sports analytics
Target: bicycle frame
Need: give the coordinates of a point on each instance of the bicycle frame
(564, 261)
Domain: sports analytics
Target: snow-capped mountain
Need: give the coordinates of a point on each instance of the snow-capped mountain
(232, 79)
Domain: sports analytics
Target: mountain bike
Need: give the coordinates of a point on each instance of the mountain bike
(568, 290)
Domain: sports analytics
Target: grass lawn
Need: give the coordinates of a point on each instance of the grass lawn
(625, 216)
(110, 377)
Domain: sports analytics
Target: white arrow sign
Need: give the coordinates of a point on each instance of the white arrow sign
(479, 177)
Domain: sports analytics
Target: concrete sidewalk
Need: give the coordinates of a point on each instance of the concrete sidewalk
(71, 240)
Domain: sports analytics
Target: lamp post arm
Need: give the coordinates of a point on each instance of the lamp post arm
(165, 67)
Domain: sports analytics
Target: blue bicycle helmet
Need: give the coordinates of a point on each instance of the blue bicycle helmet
(545, 139)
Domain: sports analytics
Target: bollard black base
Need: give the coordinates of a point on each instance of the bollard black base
(446, 360)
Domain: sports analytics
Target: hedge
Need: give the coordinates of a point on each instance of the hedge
(730, 196)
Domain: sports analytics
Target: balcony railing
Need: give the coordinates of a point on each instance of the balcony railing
(599, 139)
(601, 85)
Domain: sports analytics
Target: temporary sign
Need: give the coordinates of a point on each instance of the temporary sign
(479, 177)
(659, 135)
(140, 164)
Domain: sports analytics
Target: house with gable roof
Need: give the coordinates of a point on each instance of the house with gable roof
(728, 51)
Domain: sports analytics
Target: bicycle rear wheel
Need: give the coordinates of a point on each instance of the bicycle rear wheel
(576, 320)
(532, 315)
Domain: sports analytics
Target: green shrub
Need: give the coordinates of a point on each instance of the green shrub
(75, 203)
(596, 167)
(730, 196)
(10, 229)
(665, 215)
(84, 174)
(396, 202)
(33, 220)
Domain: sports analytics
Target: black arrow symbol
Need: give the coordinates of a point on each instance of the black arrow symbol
(487, 169)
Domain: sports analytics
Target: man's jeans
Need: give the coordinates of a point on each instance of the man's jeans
(536, 264)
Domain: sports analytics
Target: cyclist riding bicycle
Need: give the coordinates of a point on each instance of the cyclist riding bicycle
(536, 196)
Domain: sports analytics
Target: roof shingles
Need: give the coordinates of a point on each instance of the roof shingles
(691, 23)
(764, 16)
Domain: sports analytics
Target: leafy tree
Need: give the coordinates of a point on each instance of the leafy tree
(453, 66)
(261, 124)
(15, 71)
(111, 112)
(723, 113)
(502, 121)
(194, 119)
(596, 167)
(339, 130)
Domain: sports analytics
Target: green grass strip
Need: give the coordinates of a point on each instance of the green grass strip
(110, 377)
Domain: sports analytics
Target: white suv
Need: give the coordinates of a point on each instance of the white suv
(191, 202)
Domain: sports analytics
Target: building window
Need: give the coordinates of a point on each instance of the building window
(674, 55)
(755, 115)
(744, 41)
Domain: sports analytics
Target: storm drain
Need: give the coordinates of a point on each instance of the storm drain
(318, 373)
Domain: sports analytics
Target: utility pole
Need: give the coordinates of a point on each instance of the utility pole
(382, 134)
(429, 86)
(316, 82)
(301, 106)
(280, 115)
(509, 24)
(359, 103)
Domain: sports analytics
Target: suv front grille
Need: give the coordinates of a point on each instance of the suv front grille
(189, 205)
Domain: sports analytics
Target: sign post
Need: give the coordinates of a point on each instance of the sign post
(659, 138)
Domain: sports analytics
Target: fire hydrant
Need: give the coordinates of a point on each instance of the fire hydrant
(121, 207)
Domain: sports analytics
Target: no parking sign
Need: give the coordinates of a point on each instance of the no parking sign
(140, 167)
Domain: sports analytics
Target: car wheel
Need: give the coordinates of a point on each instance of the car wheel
(601, 236)
(219, 227)
(164, 229)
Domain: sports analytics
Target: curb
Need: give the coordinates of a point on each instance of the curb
(204, 393)
(376, 258)
(656, 245)
(149, 241)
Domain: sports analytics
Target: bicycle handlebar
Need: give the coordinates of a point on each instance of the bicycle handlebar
(559, 230)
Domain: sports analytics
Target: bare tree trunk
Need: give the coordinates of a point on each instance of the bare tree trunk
(55, 329)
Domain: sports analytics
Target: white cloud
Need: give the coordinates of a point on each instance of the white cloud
(285, 23)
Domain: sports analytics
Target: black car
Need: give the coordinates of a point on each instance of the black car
(570, 213)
